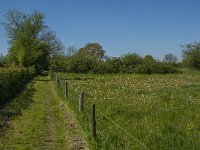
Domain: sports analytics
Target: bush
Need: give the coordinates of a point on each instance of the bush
(111, 65)
(82, 64)
(12, 81)
(156, 67)
(131, 60)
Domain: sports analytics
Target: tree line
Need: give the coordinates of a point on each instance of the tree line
(33, 44)
(92, 59)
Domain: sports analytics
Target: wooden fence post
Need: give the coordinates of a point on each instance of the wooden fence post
(58, 83)
(93, 121)
(66, 90)
(81, 101)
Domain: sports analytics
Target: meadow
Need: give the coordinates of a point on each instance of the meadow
(137, 111)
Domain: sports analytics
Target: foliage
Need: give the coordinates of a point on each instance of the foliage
(110, 65)
(22, 31)
(30, 42)
(155, 68)
(191, 55)
(71, 50)
(130, 61)
(12, 80)
(170, 58)
(82, 64)
(148, 59)
(56, 47)
(2, 61)
(76, 64)
(94, 50)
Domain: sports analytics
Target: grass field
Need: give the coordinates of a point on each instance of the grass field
(138, 111)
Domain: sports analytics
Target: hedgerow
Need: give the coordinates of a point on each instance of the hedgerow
(12, 81)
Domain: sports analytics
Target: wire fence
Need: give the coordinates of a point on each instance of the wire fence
(112, 133)
(87, 117)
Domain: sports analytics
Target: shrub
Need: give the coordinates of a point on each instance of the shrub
(12, 81)
(131, 59)
(155, 67)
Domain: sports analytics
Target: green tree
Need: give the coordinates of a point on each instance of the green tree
(2, 60)
(130, 61)
(94, 50)
(191, 55)
(170, 58)
(56, 47)
(71, 50)
(31, 44)
(23, 31)
(148, 59)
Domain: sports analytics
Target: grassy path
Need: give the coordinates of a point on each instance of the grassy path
(44, 123)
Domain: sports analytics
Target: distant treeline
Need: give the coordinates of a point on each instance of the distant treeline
(91, 59)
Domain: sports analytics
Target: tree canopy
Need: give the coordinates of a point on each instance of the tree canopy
(30, 41)
(170, 58)
(191, 55)
(94, 50)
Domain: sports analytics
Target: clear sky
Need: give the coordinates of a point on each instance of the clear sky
(153, 27)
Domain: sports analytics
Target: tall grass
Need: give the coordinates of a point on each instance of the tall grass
(138, 111)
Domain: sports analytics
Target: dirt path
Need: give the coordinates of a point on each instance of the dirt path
(45, 124)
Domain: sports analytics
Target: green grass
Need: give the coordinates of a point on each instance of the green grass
(36, 120)
(158, 111)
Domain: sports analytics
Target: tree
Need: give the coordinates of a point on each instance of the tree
(56, 46)
(71, 50)
(31, 44)
(191, 55)
(2, 61)
(148, 59)
(131, 59)
(113, 65)
(94, 50)
(170, 58)
(23, 31)
(12, 24)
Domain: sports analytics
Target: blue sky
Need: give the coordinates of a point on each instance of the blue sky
(153, 27)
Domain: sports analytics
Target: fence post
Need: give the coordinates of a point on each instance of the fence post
(93, 121)
(81, 101)
(58, 83)
(66, 90)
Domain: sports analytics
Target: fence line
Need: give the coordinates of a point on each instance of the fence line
(116, 124)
